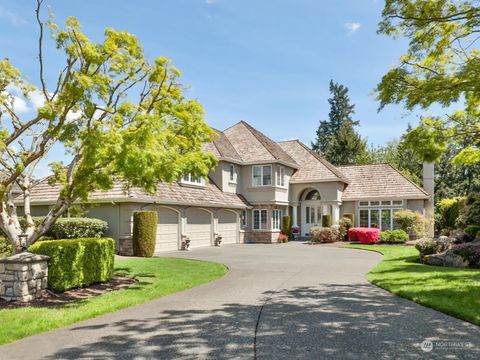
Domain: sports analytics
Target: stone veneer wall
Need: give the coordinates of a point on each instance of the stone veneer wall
(261, 237)
(23, 277)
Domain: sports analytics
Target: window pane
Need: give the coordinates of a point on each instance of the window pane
(386, 202)
(364, 218)
(256, 219)
(395, 224)
(363, 203)
(244, 218)
(374, 203)
(307, 214)
(257, 176)
(397, 202)
(277, 175)
(312, 215)
(282, 176)
(374, 217)
(386, 217)
(319, 215)
(232, 173)
(267, 175)
(263, 219)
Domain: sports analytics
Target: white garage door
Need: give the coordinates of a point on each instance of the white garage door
(227, 226)
(199, 227)
(167, 230)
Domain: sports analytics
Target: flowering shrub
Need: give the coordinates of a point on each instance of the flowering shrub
(426, 247)
(324, 234)
(364, 235)
(394, 236)
(411, 222)
(469, 252)
(345, 224)
(295, 229)
(282, 238)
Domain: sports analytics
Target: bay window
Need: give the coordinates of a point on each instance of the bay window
(262, 175)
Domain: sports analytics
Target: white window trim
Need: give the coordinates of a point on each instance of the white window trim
(259, 220)
(230, 173)
(280, 214)
(261, 175)
(379, 209)
(189, 181)
(369, 203)
(280, 177)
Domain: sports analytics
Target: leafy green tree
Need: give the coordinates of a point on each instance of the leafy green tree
(440, 66)
(116, 114)
(336, 139)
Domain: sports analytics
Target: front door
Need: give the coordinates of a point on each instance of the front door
(311, 216)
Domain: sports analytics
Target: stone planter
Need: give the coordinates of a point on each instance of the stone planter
(23, 277)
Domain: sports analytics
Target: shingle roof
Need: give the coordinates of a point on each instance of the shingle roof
(253, 146)
(221, 147)
(379, 181)
(175, 193)
(312, 166)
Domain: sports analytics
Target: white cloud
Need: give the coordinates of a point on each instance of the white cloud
(19, 105)
(12, 17)
(37, 98)
(352, 27)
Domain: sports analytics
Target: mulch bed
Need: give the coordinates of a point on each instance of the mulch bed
(74, 295)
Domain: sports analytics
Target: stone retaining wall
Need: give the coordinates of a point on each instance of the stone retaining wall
(23, 277)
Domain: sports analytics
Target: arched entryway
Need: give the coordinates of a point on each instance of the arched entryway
(312, 208)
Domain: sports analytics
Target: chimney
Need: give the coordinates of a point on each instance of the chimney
(429, 186)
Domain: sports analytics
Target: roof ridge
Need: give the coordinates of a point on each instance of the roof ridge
(225, 137)
(326, 163)
(258, 134)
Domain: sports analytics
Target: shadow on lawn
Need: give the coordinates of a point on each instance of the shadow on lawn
(322, 322)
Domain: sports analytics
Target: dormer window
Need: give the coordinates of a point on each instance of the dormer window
(262, 175)
(232, 175)
(193, 180)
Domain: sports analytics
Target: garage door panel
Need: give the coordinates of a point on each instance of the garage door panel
(167, 230)
(227, 226)
(199, 227)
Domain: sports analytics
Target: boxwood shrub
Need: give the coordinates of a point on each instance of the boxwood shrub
(77, 262)
(73, 227)
(394, 236)
(5, 247)
(144, 233)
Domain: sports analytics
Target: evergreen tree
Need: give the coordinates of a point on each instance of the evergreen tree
(346, 147)
(336, 139)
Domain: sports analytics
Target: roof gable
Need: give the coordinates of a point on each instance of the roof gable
(312, 166)
(254, 146)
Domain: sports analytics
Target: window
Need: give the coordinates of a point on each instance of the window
(379, 213)
(310, 217)
(276, 219)
(189, 179)
(262, 175)
(280, 176)
(232, 174)
(259, 219)
(243, 219)
(313, 195)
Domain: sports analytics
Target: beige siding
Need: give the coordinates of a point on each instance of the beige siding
(416, 205)
(108, 213)
(348, 207)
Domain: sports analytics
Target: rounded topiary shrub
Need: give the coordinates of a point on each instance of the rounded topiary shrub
(394, 236)
(144, 233)
(326, 221)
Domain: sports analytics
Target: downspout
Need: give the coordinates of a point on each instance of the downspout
(429, 187)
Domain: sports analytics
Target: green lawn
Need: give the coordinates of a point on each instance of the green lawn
(454, 291)
(156, 277)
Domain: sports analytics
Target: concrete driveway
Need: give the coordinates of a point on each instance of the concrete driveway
(291, 301)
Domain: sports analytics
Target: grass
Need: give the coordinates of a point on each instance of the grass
(156, 277)
(455, 291)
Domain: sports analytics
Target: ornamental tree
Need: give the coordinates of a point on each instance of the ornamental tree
(440, 67)
(116, 114)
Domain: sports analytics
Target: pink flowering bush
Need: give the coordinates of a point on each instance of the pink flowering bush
(364, 235)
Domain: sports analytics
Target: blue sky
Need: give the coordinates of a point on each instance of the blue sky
(267, 62)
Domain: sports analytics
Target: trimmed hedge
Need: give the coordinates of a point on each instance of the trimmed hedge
(77, 262)
(326, 221)
(287, 226)
(394, 236)
(364, 235)
(144, 233)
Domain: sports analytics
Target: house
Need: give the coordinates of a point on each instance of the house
(256, 182)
